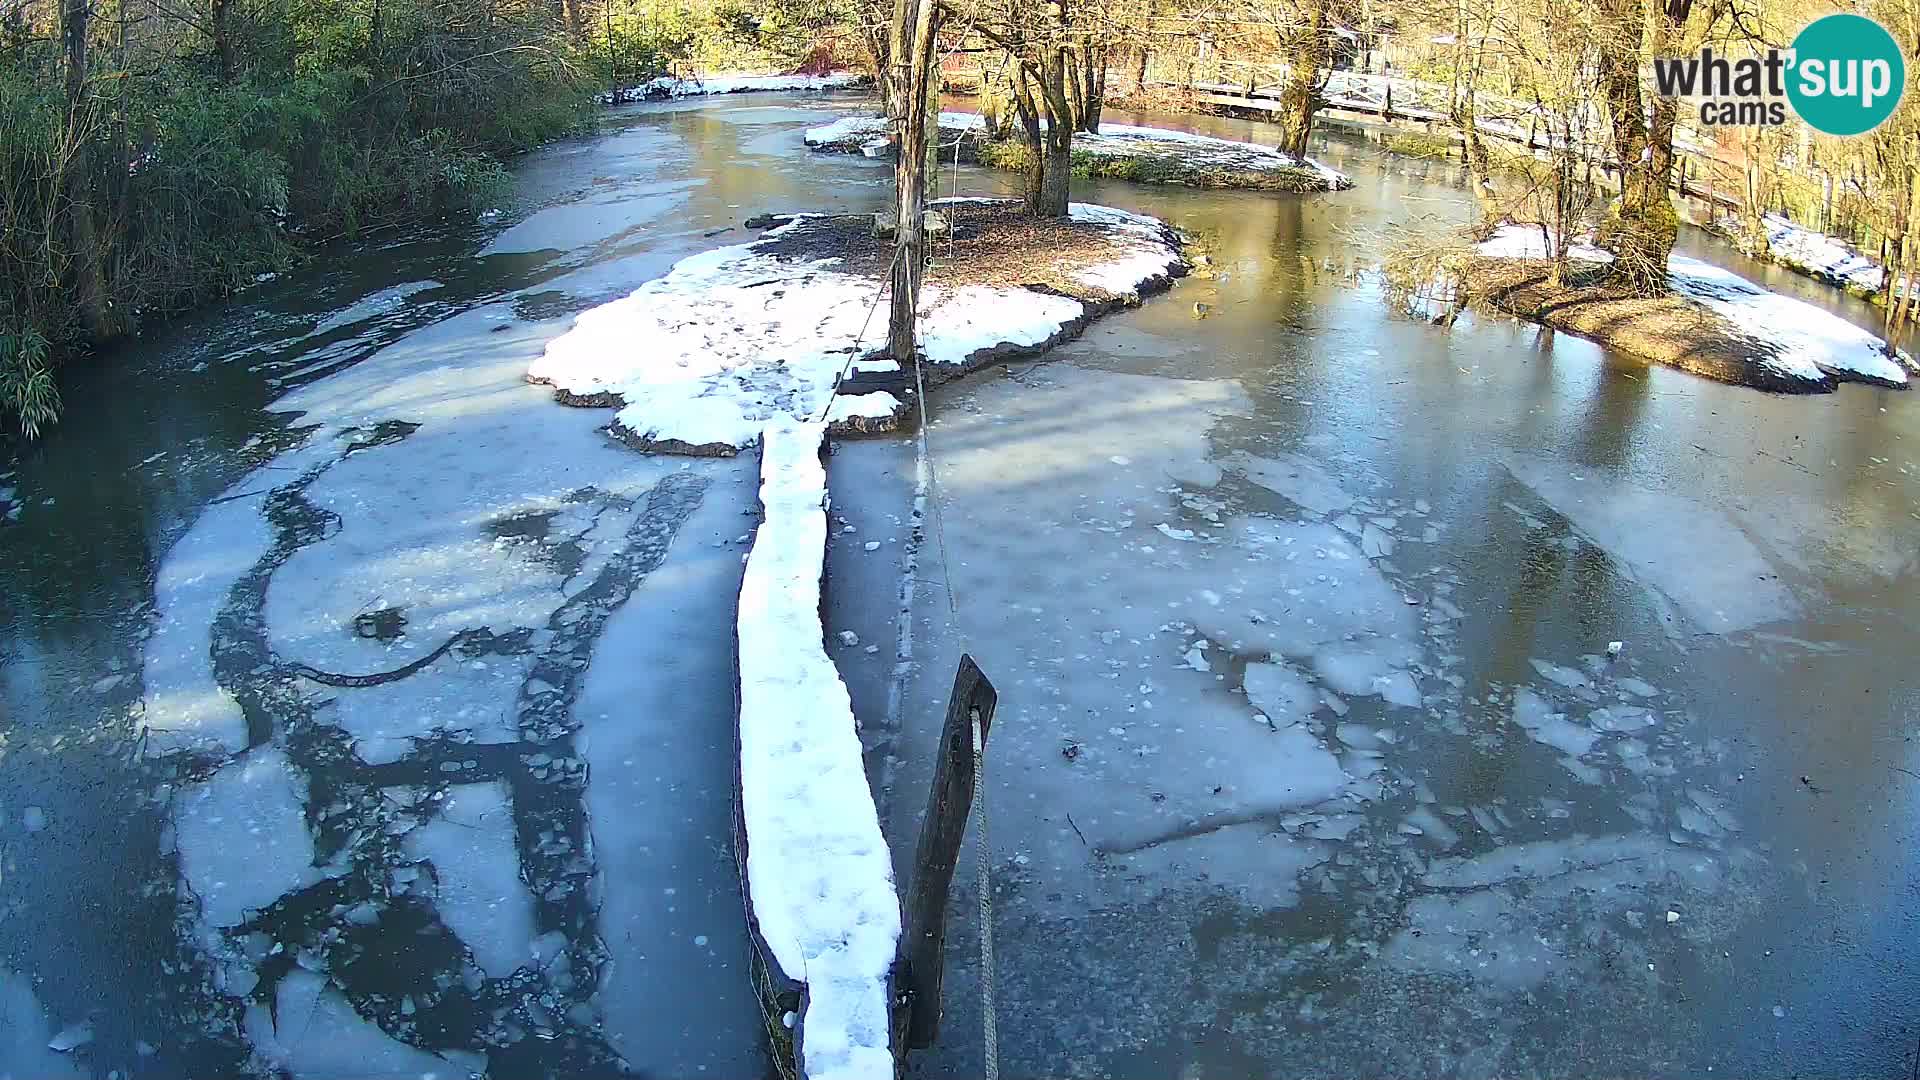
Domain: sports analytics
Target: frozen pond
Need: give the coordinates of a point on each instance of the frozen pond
(395, 736)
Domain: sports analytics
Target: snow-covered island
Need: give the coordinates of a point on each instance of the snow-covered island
(1119, 151)
(698, 361)
(672, 86)
(1711, 322)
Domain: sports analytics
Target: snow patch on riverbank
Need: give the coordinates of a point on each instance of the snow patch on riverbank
(667, 86)
(1804, 336)
(1793, 339)
(1817, 255)
(849, 133)
(741, 335)
(818, 872)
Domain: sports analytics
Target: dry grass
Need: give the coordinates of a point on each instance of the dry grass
(991, 243)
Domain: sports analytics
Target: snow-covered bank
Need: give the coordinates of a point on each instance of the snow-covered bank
(744, 334)
(819, 878)
(668, 86)
(1119, 151)
(1817, 255)
(1782, 343)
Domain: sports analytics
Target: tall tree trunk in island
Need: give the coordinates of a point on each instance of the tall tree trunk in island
(1141, 57)
(1033, 178)
(1642, 226)
(1057, 178)
(576, 17)
(911, 47)
(1307, 53)
(83, 230)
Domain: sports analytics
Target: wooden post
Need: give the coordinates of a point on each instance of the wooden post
(923, 945)
(913, 60)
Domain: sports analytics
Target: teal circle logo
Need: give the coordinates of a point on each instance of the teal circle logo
(1847, 74)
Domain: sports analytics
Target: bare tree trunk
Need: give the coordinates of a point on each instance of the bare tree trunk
(1141, 57)
(1644, 226)
(1033, 179)
(83, 231)
(911, 47)
(222, 21)
(1057, 178)
(1092, 71)
(1306, 55)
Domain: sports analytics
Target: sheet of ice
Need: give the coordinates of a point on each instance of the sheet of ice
(1690, 552)
(1548, 727)
(819, 874)
(314, 1034)
(1803, 338)
(481, 898)
(373, 305)
(1280, 693)
(1298, 479)
(1084, 613)
(25, 1031)
(738, 336)
(1113, 140)
(1505, 916)
(184, 708)
(1260, 864)
(470, 699)
(243, 838)
(658, 743)
(1359, 672)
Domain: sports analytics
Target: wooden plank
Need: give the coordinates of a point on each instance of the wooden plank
(923, 940)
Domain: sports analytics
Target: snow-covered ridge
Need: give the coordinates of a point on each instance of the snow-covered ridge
(819, 877)
(1114, 140)
(1817, 255)
(1801, 342)
(668, 86)
(740, 335)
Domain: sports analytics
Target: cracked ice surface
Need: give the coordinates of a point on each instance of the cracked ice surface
(314, 1034)
(480, 896)
(243, 837)
(1089, 615)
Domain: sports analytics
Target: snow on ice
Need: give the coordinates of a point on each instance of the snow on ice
(818, 872)
(184, 707)
(738, 336)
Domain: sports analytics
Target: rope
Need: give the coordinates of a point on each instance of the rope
(989, 1024)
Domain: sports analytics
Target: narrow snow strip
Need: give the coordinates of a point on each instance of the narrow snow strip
(818, 872)
(1805, 342)
(1113, 140)
(667, 86)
